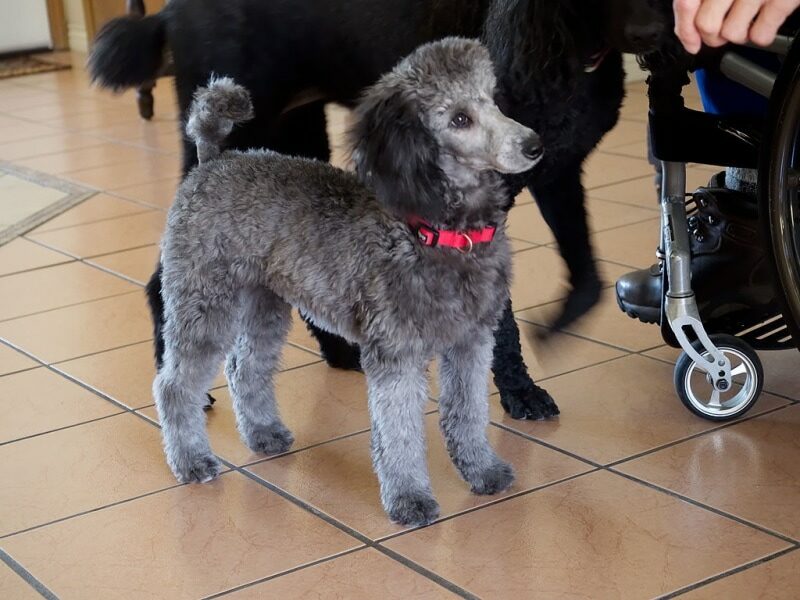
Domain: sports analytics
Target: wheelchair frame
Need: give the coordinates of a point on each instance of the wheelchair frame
(728, 143)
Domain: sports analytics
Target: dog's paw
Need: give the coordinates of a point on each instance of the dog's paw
(532, 403)
(413, 510)
(197, 469)
(269, 439)
(493, 480)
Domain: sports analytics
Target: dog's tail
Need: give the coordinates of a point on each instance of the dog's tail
(215, 109)
(128, 51)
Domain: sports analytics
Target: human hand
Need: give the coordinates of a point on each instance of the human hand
(717, 22)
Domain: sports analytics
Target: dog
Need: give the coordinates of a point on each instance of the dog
(559, 66)
(408, 258)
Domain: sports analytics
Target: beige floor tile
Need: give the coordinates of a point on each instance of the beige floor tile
(92, 121)
(79, 159)
(187, 542)
(525, 222)
(633, 245)
(119, 175)
(159, 194)
(626, 132)
(778, 579)
(14, 587)
(519, 245)
(66, 333)
(338, 479)
(125, 374)
(604, 169)
(606, 323)
(636, 149)
(642, 191)
(539, 277)
(106, 237)
(54, 142)
(39, 400)
(12, 361)
(137, 264)
(360, 575)
(599, 536)
(138, 131)
(22, 255)
(604, 215)
(12, 130)
(780, 369)
(97, 208)
(615, 410)
(749, 470)
(561, 353)
(53, 287)
(77, 469)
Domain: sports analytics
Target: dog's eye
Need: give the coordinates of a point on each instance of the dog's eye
(461, 121)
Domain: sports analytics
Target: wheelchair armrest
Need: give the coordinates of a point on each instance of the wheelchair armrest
(685, 135)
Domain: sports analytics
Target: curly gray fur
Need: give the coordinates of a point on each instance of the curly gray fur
(215, 110)
(252, 233)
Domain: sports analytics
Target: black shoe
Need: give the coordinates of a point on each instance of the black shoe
(730, 274)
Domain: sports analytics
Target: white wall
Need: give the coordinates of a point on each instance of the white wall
(24, 25)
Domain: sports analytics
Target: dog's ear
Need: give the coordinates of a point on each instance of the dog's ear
(397, 156)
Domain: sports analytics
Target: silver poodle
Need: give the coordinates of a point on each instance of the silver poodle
(408, 258)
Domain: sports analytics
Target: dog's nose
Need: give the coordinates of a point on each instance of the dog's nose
(644, 35)
(532, 147)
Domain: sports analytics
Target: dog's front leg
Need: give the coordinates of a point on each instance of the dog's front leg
(464, 414)
(398, 388)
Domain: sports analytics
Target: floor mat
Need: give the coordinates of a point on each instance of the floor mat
(29, 198)
(27, 65)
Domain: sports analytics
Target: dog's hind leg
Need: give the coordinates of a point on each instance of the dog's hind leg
(198, 332)
(398, 386)
(519, 395)
(464, 414)
(250, 369)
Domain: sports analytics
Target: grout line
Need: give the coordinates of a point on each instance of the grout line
(356, 534)
(745, 567)
(27, 576)
(502, 500)
(313, 563)
(140, 209)
(707, 507)
(44, 363)
(548, 445)
(94, 510)
(72, 425)
(714, 429)
(71, 305)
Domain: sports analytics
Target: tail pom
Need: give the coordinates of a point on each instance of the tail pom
(214, 112)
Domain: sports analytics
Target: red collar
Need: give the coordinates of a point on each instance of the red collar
(465, 241)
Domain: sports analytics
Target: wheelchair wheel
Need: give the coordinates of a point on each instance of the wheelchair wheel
(779, 189)
(698, 394)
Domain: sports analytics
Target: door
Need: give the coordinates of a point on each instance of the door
(24, 26)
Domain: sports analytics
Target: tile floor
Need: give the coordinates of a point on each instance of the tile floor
(625, 495)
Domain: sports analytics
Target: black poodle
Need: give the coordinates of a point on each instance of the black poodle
(559, 68)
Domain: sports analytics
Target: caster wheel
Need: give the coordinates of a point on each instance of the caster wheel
(695, 390)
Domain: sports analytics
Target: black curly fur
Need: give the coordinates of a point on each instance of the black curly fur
(338, 48)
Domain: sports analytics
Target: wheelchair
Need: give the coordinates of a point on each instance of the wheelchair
(719, 375)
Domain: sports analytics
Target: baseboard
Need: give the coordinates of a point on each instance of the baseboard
(78, 40)
(633, 72)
